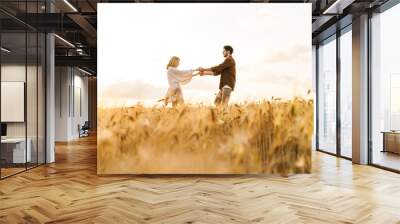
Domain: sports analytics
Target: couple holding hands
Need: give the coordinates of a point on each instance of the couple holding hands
(176, 78)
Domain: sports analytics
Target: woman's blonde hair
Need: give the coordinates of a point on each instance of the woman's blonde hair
(173, 62)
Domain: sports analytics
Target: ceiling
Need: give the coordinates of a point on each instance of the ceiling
(75, 22)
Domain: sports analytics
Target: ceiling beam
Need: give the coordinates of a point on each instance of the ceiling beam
(82, 61)
(84, 24)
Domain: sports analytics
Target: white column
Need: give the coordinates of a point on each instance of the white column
(50, 99)
(360, 90)
(50, 92)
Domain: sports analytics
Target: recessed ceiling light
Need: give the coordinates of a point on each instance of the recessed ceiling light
(64, 40)
(70, 5)
(84, 71)
(338, 6)
(5, 50)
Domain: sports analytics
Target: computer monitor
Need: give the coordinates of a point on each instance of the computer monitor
(3, 129)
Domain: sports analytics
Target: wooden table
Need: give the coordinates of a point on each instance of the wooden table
(391, 141)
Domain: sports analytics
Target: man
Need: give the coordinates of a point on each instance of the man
(227, 70)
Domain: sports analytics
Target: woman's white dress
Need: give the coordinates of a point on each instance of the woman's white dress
(176, 78)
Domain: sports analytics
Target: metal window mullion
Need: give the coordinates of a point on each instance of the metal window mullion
(317, 97)
(60, 90)
(26, 87)
(338, 98)
(45, 94)
(69, 92)
(369, 89)
(72, 92)
(45, 87)
(37, 91)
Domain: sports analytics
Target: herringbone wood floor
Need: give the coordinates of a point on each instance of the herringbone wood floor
(69, 191)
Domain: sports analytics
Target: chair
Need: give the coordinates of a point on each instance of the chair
(84, 130)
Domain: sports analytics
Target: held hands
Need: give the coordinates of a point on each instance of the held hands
(196, 71)
(201, 70)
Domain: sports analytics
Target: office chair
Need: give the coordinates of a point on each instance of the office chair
(84, 130)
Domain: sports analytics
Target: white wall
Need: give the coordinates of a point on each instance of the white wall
(62, 81)
(71, 102)
(80, 110)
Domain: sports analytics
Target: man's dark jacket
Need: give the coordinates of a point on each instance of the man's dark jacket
(227, 70)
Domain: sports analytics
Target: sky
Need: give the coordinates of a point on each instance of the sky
(272, 50)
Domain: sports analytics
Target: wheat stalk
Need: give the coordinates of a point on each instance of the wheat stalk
(255, 137)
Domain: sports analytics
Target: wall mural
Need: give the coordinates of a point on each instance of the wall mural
(204, 88)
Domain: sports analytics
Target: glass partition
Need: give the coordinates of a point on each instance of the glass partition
(14, 153)
(346, 93)
(32, 95)
(385, 89)
(22, 77)
(32, 101)
(327, 96)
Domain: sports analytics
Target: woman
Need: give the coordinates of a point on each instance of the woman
(176, 78)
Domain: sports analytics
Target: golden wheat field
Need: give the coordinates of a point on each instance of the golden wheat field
(270, 136)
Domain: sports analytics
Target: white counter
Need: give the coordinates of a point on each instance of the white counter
(19, 155)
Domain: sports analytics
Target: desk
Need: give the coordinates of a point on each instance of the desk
(391, 141)
(15, 148)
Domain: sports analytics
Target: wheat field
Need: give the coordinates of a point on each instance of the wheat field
(269, 136)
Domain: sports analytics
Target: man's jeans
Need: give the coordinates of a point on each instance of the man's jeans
(223, 96)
